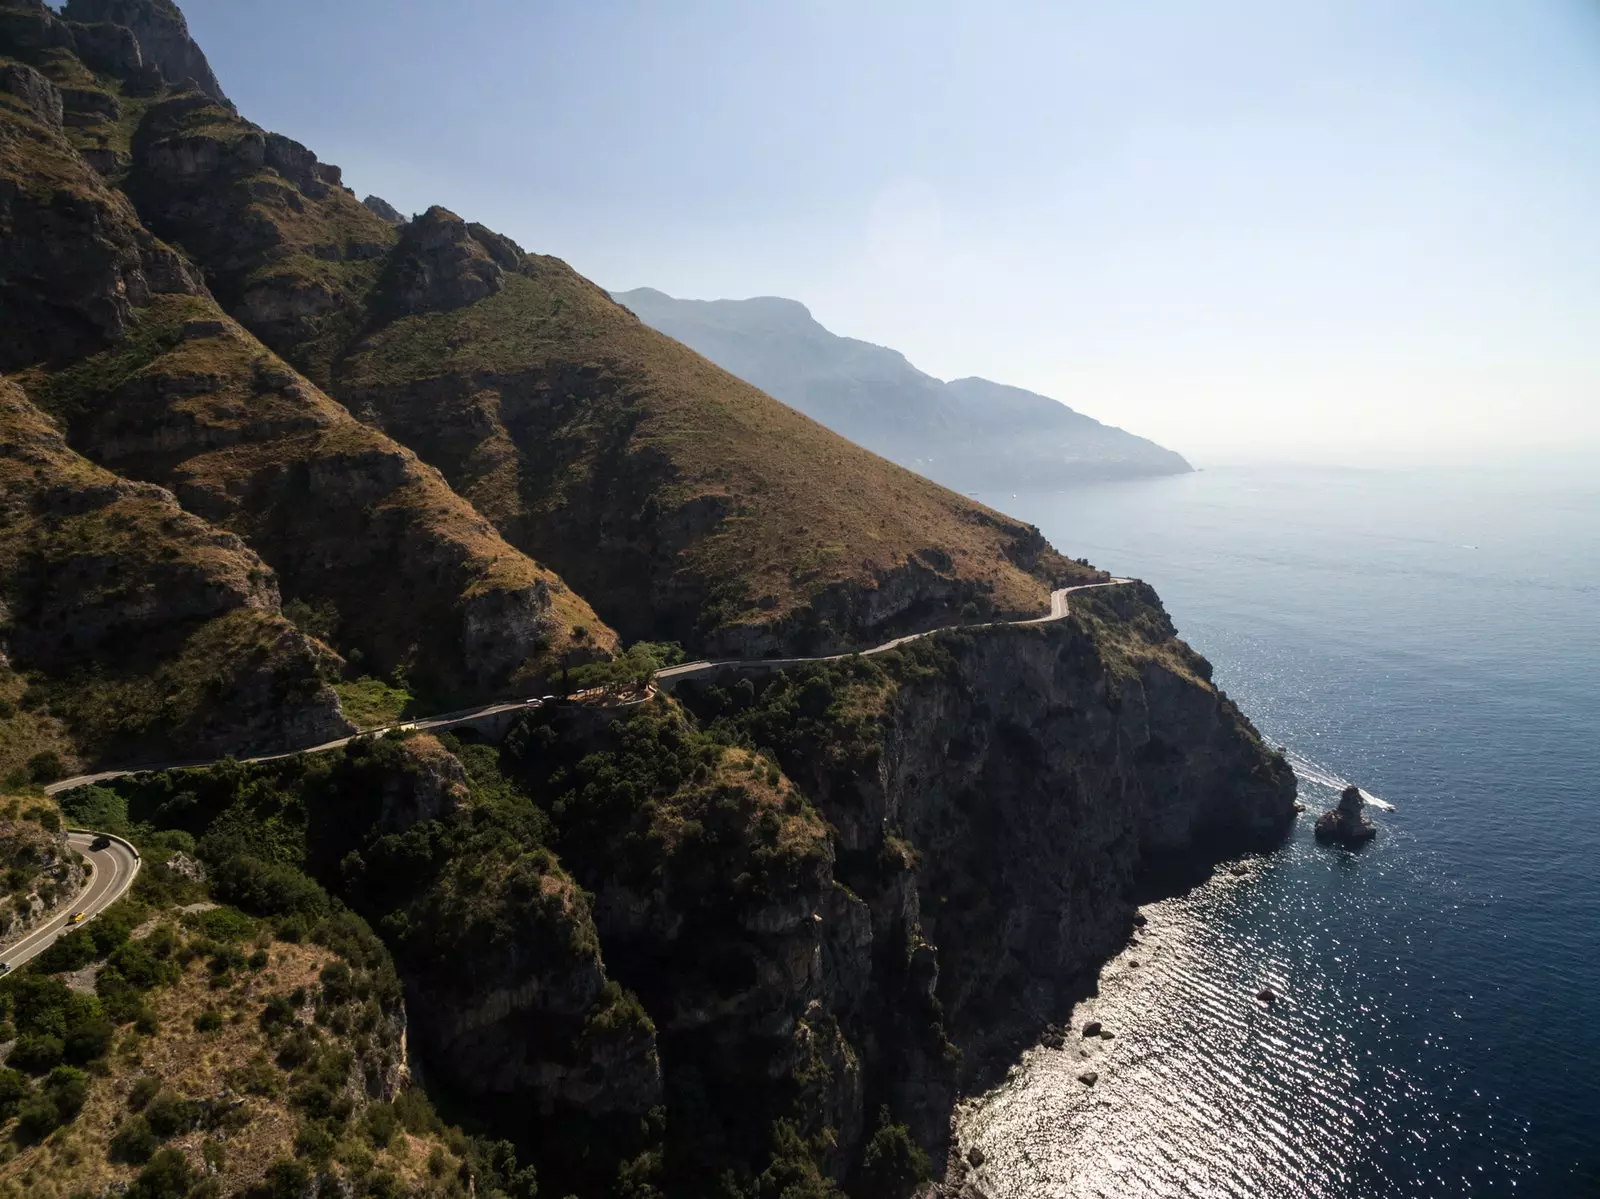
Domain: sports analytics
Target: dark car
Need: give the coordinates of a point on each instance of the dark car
(100, 842)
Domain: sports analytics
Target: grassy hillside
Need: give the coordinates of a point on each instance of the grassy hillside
(132, 626)
(181, 1048)
(661, 485)
(118, 341)
(679, 500)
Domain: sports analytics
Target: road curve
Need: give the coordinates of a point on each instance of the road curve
(114, 871)
(1058, 611)
(663, 678)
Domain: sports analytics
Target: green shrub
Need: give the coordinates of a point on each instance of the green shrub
(893, 1164)
(268, 888)
(97, 808)
(36, 1052)
(169, 1115)
(134, 1142)
(226, 924)
(46, 766)
(73, 951)
(381, 1123)
(315, 1143)
(58, 1101)
(14, 1091)
(209, 1020)
(167, 1176)
(87, 1039)
(255, 1077)
(143, 1091)
(276, 1013)
(37, 1120)
(285, 1179)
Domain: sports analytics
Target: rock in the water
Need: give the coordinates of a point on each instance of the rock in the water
(975, 1157)
(1092, 1029)
(1267, 995)
(1347, 824)
(1106, 1034)
(1238, 870)
(1139, 920)
(1089, 1077)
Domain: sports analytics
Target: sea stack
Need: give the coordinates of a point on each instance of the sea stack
(1347, 824)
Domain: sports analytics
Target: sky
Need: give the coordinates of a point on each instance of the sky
(1354, 231)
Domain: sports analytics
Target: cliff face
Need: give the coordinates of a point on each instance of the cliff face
(994, 796)
(670, 946)
(198, 431)
(46, 873)
(176, 621)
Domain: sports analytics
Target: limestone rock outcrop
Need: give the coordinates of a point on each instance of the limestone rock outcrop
(384, 210)
(162, 34)
(440, 264)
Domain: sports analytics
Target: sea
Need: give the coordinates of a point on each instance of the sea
(1432, 636)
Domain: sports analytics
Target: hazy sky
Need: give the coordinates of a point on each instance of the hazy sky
(1316, 230)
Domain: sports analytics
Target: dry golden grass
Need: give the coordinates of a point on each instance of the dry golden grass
(157, 613)
(1130, 629)
(345, 514)
(562, 416)
(193, 1065)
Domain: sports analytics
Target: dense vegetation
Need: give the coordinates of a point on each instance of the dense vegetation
(296, 997)
(653, 804)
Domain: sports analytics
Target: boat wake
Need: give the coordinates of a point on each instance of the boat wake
(1311, 772)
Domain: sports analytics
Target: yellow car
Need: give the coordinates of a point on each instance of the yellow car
(77, 918)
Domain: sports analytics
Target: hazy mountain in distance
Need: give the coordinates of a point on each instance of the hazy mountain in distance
(969, 434)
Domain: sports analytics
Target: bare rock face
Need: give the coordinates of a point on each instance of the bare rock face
(163, 37)
(384, 210)
(1029, 775)
(104, 570)
(74, 260)
(51, 875)
(1347, 824)
(432, 787)
(34, 90)
(440, 265)
(534, 1016)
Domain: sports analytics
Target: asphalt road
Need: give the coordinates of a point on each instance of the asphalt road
(672, 674)
(114, 871)
(1058, 611)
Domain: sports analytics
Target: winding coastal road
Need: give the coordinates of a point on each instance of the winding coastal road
(1058, 611)
(664, 679)
(115, 865)
(113, 871)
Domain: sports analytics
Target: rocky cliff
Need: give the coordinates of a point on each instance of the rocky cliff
(993, 796)
(752, 942)
(43, 873)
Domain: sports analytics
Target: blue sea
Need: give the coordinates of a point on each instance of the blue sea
(1434, 637)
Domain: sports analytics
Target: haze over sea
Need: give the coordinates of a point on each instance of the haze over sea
(1432, 636)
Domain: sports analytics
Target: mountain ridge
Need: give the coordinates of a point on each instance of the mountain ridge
(874, 395)
(270, 461)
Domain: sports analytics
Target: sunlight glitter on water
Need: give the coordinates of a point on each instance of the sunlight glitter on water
(1206, 1090)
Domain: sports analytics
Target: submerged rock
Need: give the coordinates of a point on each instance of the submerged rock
(1347, 824)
